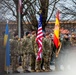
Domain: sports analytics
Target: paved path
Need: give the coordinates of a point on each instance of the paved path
(47, 73)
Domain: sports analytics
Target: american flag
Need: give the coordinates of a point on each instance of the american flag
(39, 39)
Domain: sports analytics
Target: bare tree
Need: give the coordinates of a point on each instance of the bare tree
(31, 10)
(68, 10)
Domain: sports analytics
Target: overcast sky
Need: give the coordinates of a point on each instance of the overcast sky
(67, 3)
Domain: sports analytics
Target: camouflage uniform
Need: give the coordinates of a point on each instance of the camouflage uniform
(35, 49)
(14, 53)
(33, 54)
(73, 39)
(27, 51)
(38, 65)
(20, 52)
(47, 51)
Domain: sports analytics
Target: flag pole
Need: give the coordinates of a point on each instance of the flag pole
(7, 66)
(19, 20)
(7, 21)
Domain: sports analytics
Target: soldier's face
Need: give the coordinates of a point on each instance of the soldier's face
(48, 36)
(29, 35)
(35, 34)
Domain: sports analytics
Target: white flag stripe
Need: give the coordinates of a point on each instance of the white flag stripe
(39, 31)
(39, 28)
(39, 48)
(40, 42)
(40, 35)
(40, 55)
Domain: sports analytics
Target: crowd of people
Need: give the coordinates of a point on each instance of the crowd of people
(24, 51)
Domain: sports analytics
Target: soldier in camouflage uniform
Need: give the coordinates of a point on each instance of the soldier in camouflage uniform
(14, 53)
(27, 52)
(47, 51)
(38, 62)
(73, 39)
(35, 47)
(20, 56)
(20, 52)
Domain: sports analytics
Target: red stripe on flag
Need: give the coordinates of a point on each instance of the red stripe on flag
(56, 31)
(39, 40)
(39, 29)
(56, 40)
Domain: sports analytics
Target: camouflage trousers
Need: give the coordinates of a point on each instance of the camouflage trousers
(14, 62)
(38, 64)
(47, 59)
(33, 59)
(26, 61)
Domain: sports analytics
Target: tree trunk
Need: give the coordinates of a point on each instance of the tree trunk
(44, 8)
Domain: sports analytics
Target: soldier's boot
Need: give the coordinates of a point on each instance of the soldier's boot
(20, 69)
(38, 66)
(42, 70)
(14, 69)
(49, 68)
(32, 70)
(46, 70)
(38, 70)
(26, 70)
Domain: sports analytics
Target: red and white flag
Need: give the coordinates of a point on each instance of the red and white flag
(39, 39)
(20, 6)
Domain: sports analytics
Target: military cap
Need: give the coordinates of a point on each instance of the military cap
(47, 33)
(33, 32)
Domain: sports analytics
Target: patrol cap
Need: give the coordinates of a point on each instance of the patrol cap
(33, 32)
(47, 33)
(27, 33)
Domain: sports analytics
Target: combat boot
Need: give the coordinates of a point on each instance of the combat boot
(32, 70)
(46, 70)
(38, 71)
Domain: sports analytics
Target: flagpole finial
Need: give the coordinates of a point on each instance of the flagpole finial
(7, 21)
(40, 11)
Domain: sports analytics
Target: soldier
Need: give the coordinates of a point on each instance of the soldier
(73, 39)
(27, 50)
(38, 62)
(20, 52)
(20, 56)
(47, 51)
(53, 51)
(14, 53)
(35, 47)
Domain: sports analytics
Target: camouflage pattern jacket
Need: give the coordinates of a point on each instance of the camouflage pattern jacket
(47, 46)
(27, 46)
